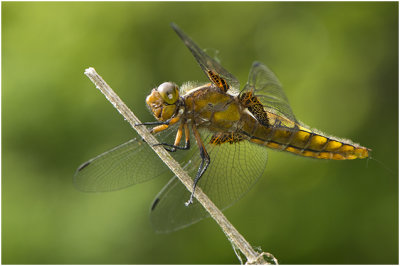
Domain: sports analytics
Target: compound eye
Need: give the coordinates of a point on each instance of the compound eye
(169, 92)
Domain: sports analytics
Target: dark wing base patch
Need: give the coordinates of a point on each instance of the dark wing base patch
(253, 104)
(222, 138)
(218, 81)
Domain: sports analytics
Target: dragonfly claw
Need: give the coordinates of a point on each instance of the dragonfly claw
(190, 201)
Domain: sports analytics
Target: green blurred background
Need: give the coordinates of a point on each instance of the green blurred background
(338, 63)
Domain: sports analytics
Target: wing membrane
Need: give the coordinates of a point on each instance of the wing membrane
(266, 86)
(128, 164)
(234, 168)
(205, 61)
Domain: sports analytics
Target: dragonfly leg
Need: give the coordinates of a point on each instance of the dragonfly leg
(165, 125)
(205, 161)
(175, 146)
(170, 121)
(172, 147)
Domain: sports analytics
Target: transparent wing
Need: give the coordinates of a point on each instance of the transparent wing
(128, 164)
(266, 86)
(234, 168)
(206, 62)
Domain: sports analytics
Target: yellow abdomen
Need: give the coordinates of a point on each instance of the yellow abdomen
(307, 143)
(292, 137)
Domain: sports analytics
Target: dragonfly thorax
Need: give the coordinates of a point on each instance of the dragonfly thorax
(209, 107)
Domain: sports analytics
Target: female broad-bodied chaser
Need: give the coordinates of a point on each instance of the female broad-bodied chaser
(231, 129)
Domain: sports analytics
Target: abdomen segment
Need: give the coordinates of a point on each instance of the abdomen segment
(311, 144)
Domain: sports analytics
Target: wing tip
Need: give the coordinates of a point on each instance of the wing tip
(155, 203)
(258, 64)
(83, 166)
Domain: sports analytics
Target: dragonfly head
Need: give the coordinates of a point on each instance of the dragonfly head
(163, 101)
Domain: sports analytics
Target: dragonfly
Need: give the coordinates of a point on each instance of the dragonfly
(219, 134)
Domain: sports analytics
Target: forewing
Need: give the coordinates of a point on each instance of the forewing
(206, 62)
(233, 170)
(128, 164)
(266, 86)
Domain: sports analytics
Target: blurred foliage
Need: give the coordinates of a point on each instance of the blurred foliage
(337, 61)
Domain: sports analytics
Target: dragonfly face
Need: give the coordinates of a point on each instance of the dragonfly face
(163, 101)
(231, 129)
